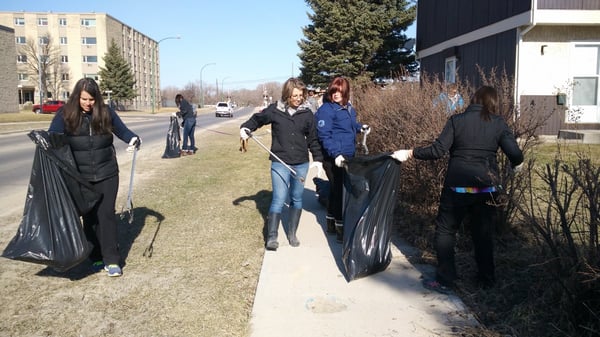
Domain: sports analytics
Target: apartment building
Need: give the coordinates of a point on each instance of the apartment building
(81, 41)
(8, 70)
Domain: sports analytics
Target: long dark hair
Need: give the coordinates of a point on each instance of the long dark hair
(101, 121)
(488, 97)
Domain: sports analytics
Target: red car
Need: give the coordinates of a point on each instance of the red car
(49, 107)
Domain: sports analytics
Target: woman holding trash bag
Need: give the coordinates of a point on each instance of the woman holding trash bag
(471, 184)
(186, 112)
(293, 134)
(89, 125)
(337, 128)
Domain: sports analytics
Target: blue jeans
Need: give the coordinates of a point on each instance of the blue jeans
(285, 185)
(189, 127)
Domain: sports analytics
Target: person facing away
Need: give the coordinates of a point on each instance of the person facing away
(89, 125)
(186, 112)
(293, 135)
(471, 184)
(451, 99)
(337, 128)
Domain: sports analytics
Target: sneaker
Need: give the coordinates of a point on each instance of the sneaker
(113, 270)
(436, 286)
(97, 266)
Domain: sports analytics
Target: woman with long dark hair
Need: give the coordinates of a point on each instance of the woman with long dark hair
(472, 139)
(89, 125)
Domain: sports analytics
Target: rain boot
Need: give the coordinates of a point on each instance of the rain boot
(339, 231)
(330, 224)
(272, 228)
(294, 218)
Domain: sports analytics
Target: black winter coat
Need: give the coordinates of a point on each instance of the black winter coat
(291, 136)
(473, 144)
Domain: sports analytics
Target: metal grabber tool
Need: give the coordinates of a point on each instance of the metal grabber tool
(276, 157)
(128, 208)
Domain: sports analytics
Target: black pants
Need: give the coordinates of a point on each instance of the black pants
(335, 175)
(454, 207)
(100, 224)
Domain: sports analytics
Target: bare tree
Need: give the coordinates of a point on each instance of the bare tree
(41, 56)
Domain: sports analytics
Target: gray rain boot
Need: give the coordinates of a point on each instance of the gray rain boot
(294, 218)
(272, 227)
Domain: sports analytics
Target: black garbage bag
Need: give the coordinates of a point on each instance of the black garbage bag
(371, 185)
(322, 190)
(50, 231)
(172, 149)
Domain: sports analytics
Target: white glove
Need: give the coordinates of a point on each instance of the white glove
(365, 129)
(402, 155)
(174, 114)
(134, 144)
(245, 133)
(518, 168)
(339, 160)
(319, 167)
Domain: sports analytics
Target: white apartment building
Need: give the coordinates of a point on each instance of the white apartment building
(82, 40)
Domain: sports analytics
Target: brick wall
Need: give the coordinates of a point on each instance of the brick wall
(9, 93)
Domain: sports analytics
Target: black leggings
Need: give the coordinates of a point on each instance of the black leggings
(335, 175)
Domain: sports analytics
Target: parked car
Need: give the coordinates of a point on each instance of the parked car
(49, 107)
(224, 109)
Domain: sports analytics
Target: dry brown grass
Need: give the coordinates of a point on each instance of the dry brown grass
(201, 219)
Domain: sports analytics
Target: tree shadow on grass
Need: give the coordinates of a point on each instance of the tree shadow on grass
(128, 231)
(262, 201)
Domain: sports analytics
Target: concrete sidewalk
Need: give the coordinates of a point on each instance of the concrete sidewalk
(302, 291)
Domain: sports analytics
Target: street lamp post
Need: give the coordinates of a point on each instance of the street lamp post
(222, 91)
(153, 93)
(202, 91)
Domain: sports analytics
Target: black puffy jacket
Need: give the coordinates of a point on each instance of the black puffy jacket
(473, 144)
(94, 154)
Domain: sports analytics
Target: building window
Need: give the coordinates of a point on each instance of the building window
(62, 22)
(63, 40)
(21, 39)
(64, 59)
(22, 77)
(64, 77)
(21, 58)
(88, 22)
(19, 21)
(450, 70)
(42, 21)
(90, 58)
(88, 40)
(94, 76)
(43, 40)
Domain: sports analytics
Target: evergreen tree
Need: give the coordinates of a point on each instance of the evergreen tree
(117, 75)
(359, 39)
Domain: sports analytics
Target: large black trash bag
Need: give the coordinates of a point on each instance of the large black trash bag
(172, 149)
(371, 184)
(322, 190)
(50, 232)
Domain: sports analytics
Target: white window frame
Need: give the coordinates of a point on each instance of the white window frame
(20, 39)
(42, 21)
(90, 59)
(21, 58)
(62, 22)
(450, 69)
(88, 40)
(88, 22)
(22, 76)
(64, 58)
(43, 40)
(19, 21)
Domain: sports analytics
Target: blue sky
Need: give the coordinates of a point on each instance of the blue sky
(251, 42)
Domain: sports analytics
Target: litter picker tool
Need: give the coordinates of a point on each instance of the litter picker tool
(364, 143)
(276, 157)
(128, 208)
